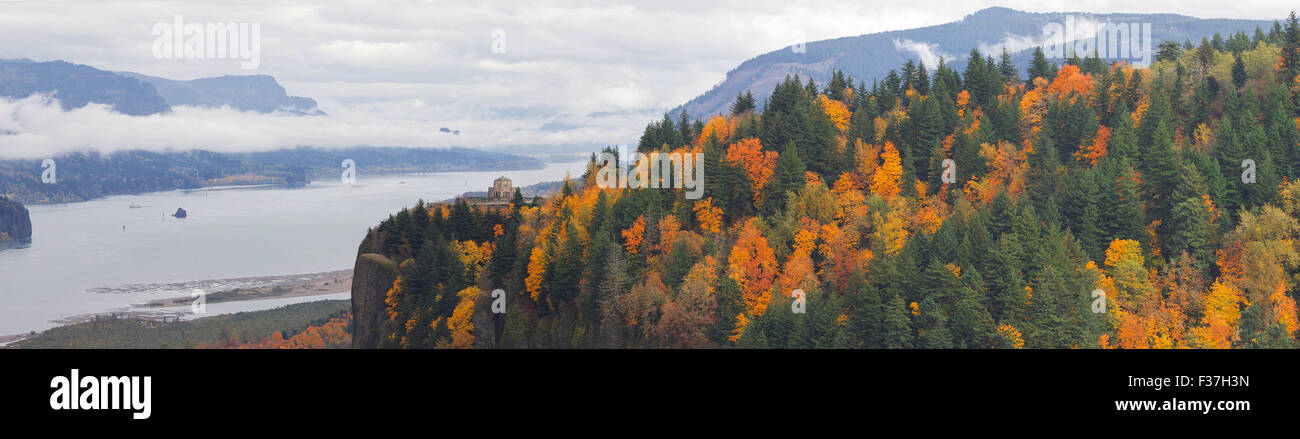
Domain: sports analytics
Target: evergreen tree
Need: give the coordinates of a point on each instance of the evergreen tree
(1290, 42)
(897, 329)
(1007, 69)
(1238, 71)
(1190, 219)
(1122, 202)
(744, 103)
(788, 177)
(1083, 213)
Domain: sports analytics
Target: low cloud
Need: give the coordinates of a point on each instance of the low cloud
(37, 127)
(1013, 44)
(925, 52)
(1086, 29)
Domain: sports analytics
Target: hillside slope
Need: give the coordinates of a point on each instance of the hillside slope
(872, 56)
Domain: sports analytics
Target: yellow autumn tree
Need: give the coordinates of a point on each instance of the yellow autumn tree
(850, 201)
(720, 128)
(867, 156)
(836, 111)
(536, 271)
(885, 180)
(798, 271)
(461, 322)
(1222, 311)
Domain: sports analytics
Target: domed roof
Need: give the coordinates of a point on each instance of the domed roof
(502, 178)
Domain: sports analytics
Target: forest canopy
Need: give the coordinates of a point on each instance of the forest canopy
(930, 209)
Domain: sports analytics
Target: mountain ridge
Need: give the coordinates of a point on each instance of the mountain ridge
(77, 85)
(884, 51)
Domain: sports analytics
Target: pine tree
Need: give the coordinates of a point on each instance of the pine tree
(1281, 131)
(744, 103)
(1238, 71)
(1123, 139)
(1048, 309)
(972, 325)
(897, 328)
(1007, 69)
(1290, 43)
(935, 334)
(1082, 210)
(922, 81)
(927, 124)
(788, 177)
(1190, 220)
(1122, 201)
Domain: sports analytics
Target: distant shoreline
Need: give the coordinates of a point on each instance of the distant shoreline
(267, 287)
(87, 176)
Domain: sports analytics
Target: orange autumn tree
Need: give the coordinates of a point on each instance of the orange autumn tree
(1071, 82)
(1010, 337)
(885, 180)
(709, 217)
(752, 264)
(757, 164)
(843, 257)
(668, 229)
(633, 236)
(1007, 165)
(1095, 151)
(1283, 309)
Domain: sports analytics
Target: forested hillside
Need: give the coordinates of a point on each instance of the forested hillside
(1168, 189)
(873, 55)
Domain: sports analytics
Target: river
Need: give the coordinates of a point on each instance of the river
(102, 256)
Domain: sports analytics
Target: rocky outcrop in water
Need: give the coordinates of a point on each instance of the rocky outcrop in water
(180, 213)
(15, 223)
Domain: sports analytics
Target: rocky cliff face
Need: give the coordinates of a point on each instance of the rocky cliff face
(372, 276)
(14, 221)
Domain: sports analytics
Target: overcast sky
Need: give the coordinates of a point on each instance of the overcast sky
(392, 72)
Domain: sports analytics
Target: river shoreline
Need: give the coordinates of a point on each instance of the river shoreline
(102, 258)
(248, 289)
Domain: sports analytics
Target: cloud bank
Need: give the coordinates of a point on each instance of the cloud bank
(37, 127)
(925, 52)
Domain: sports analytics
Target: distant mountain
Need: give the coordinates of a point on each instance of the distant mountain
(870, 57)
(76, 85)
(260, 93)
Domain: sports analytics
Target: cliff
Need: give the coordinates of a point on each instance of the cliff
(372, 276)
(15, 223)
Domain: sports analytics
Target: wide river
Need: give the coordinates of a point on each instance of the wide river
(102, 256)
